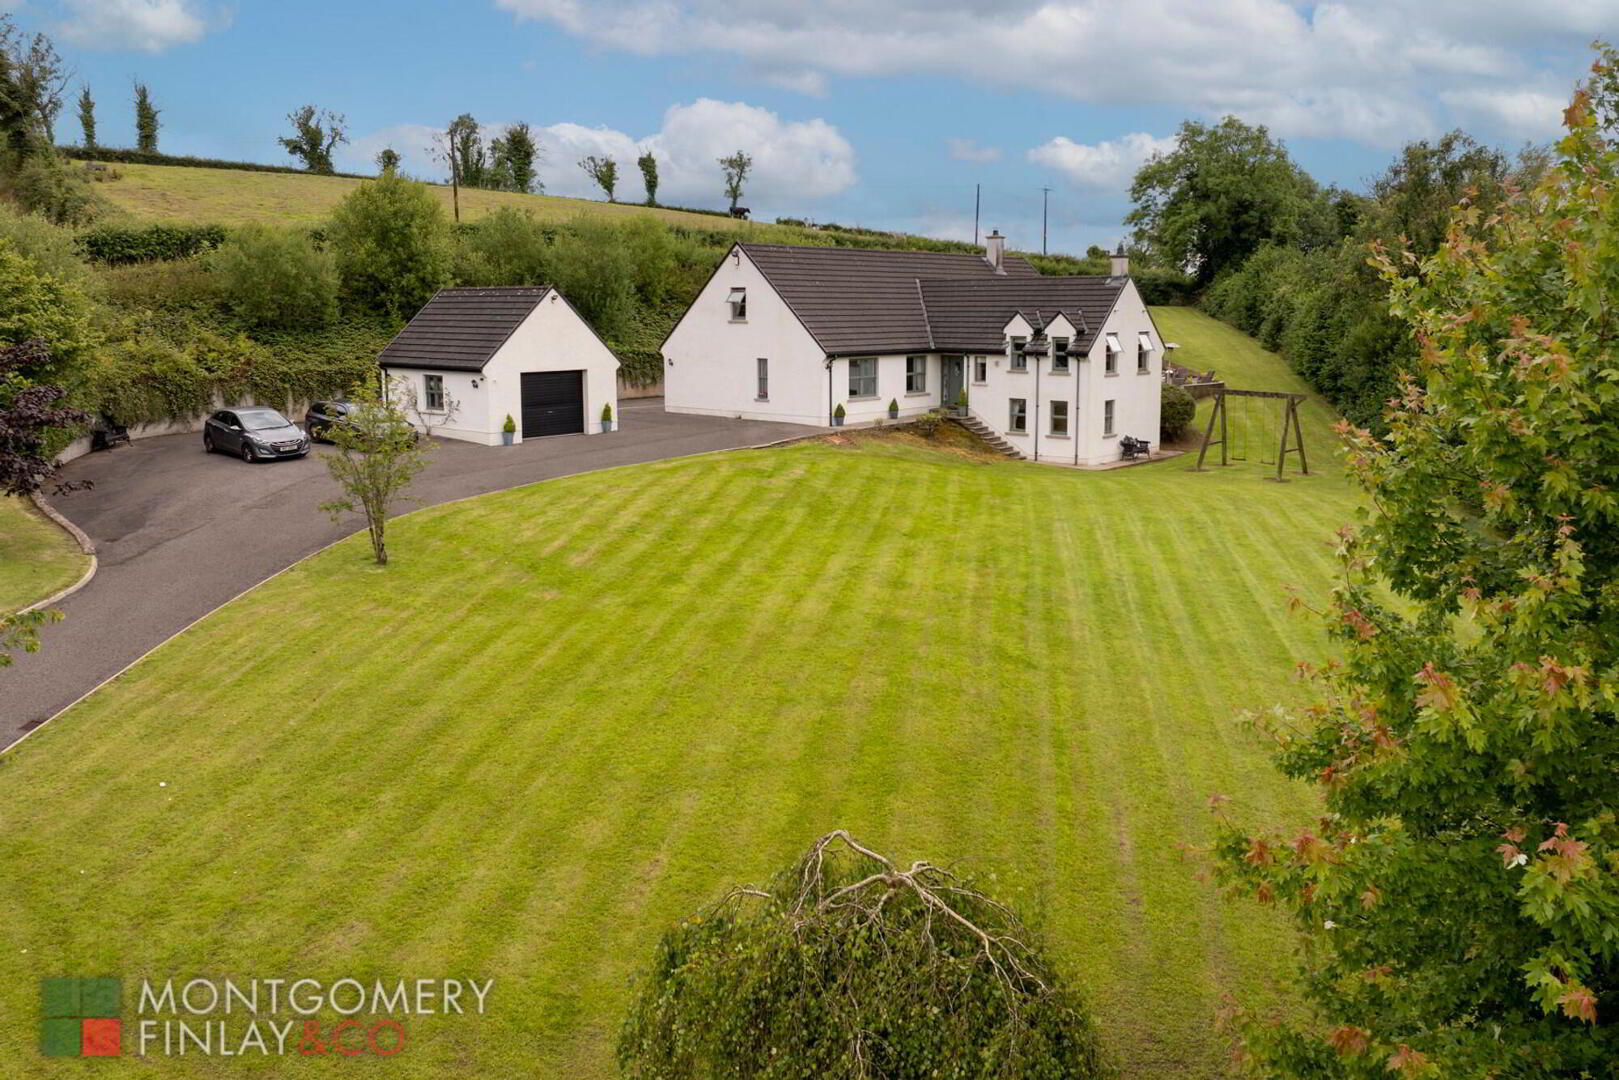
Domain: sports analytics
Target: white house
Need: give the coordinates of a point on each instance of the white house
(1061, 367)
(498, 352)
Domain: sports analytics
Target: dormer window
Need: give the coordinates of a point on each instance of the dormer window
(1020, 359)
(1113, 351)
(1059, 355)
(1143, 353)
(739, 305)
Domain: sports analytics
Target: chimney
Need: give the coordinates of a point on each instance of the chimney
(1120, 262)
(995, 251)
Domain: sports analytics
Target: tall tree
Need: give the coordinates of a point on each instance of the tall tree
(392, 245)
(87, 117)
(520, 158)
(1459, 900)
(470, 160)
(1412, 201)
(146, 121)
(649, 176)
(1225, 190)
(604, 171)
(315, 134)
(736, 169)
(387, 160)
(32, 81)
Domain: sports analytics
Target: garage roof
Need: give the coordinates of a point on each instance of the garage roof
(461, 329)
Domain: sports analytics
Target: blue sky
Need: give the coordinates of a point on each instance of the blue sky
(873, 112)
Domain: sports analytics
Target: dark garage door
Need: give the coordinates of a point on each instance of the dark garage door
(553, 403)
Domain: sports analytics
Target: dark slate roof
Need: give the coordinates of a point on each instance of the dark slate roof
(970, 315)
(857, 300)
(460, 329)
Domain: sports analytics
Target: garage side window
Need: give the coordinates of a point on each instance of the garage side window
(764, 379)
(435, 392)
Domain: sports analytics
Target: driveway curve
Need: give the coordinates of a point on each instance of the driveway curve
(179, 532)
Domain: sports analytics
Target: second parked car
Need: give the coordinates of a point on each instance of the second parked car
(255, 433)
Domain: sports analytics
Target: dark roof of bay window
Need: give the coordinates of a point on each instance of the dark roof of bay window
(462, 329)
(860, 300)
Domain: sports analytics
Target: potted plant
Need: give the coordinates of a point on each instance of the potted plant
(508, 431)
(893, 408)
(838, 414)
(607, 417)
(961, 402)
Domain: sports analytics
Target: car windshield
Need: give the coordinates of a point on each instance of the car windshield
(262, 420)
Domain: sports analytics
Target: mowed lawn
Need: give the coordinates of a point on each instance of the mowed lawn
(36, 557)
(570, 714)
(237, 196)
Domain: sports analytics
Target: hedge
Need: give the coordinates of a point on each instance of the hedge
(125, 156)
(117, 244)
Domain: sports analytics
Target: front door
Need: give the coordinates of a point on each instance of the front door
(553, 403)
(951, 380)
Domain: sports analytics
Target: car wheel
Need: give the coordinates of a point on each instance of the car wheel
(247, 452)
(207, 443)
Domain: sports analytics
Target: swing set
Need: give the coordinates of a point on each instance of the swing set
(1259, 420)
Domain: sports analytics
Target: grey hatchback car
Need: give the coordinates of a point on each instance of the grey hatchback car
(254, 433)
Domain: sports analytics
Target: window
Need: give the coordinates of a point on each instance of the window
(1020, 359)
(1143, 353)
(1107, 417)
(764, 378)
(980, 369)
(1113, 351)
(1059, 355)
(1059, 417)
(916, 374)
(1019, 419)
(435, 392)
(863, 377)
(739, 305)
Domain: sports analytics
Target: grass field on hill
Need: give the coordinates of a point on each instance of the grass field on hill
(239, 196)
(570, 714)
(36, 557)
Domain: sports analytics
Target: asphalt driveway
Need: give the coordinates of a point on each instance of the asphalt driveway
(179, 532)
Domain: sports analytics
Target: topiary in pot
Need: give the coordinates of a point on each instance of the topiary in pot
(607, 417)
(838, 414)
(508, 430)
(893, 408)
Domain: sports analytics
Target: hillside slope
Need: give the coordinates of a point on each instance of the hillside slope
(237, 196)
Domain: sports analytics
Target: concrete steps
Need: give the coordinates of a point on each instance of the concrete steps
(988, 436)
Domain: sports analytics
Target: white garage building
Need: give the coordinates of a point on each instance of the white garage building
(495, 352)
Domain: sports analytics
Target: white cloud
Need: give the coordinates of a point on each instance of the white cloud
(1525, 113)
(969, 150)
(143, 25)
(793, 161)
(1373, 69)
(1109, 165)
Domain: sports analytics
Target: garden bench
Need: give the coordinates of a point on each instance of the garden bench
(1134, 448)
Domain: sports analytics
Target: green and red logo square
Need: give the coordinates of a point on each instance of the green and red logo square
(81, 1017)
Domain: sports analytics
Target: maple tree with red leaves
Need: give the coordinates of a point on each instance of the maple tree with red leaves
(1459, 897)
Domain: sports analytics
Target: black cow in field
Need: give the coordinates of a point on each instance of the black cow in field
(740, 212)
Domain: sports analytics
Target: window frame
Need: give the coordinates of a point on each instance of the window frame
(1059, 406)
(1017, 415)
(980, 370)
(1019, 360)
(1061, 359)
(737, 298)
(862, 360)
(433, 386)
(1109, 417)
(916, 381)
(761, 370)
(1144, 351)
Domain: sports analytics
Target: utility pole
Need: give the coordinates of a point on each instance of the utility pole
(978, 198)
(1045, 203)
(455, 174)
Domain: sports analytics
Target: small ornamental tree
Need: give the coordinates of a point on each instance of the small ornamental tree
(378, 456)
(849, 965)
(1459, 898)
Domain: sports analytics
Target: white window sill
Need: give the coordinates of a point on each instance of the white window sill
(1018, 370)
(736, 320)
(1055, 435)
(1110, 435)
(761, 399)
(1112, 374)
(865, 397)
(918, 393)
(1063, 374)
(1144, 373)
(1019, 434)
(980, 382)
